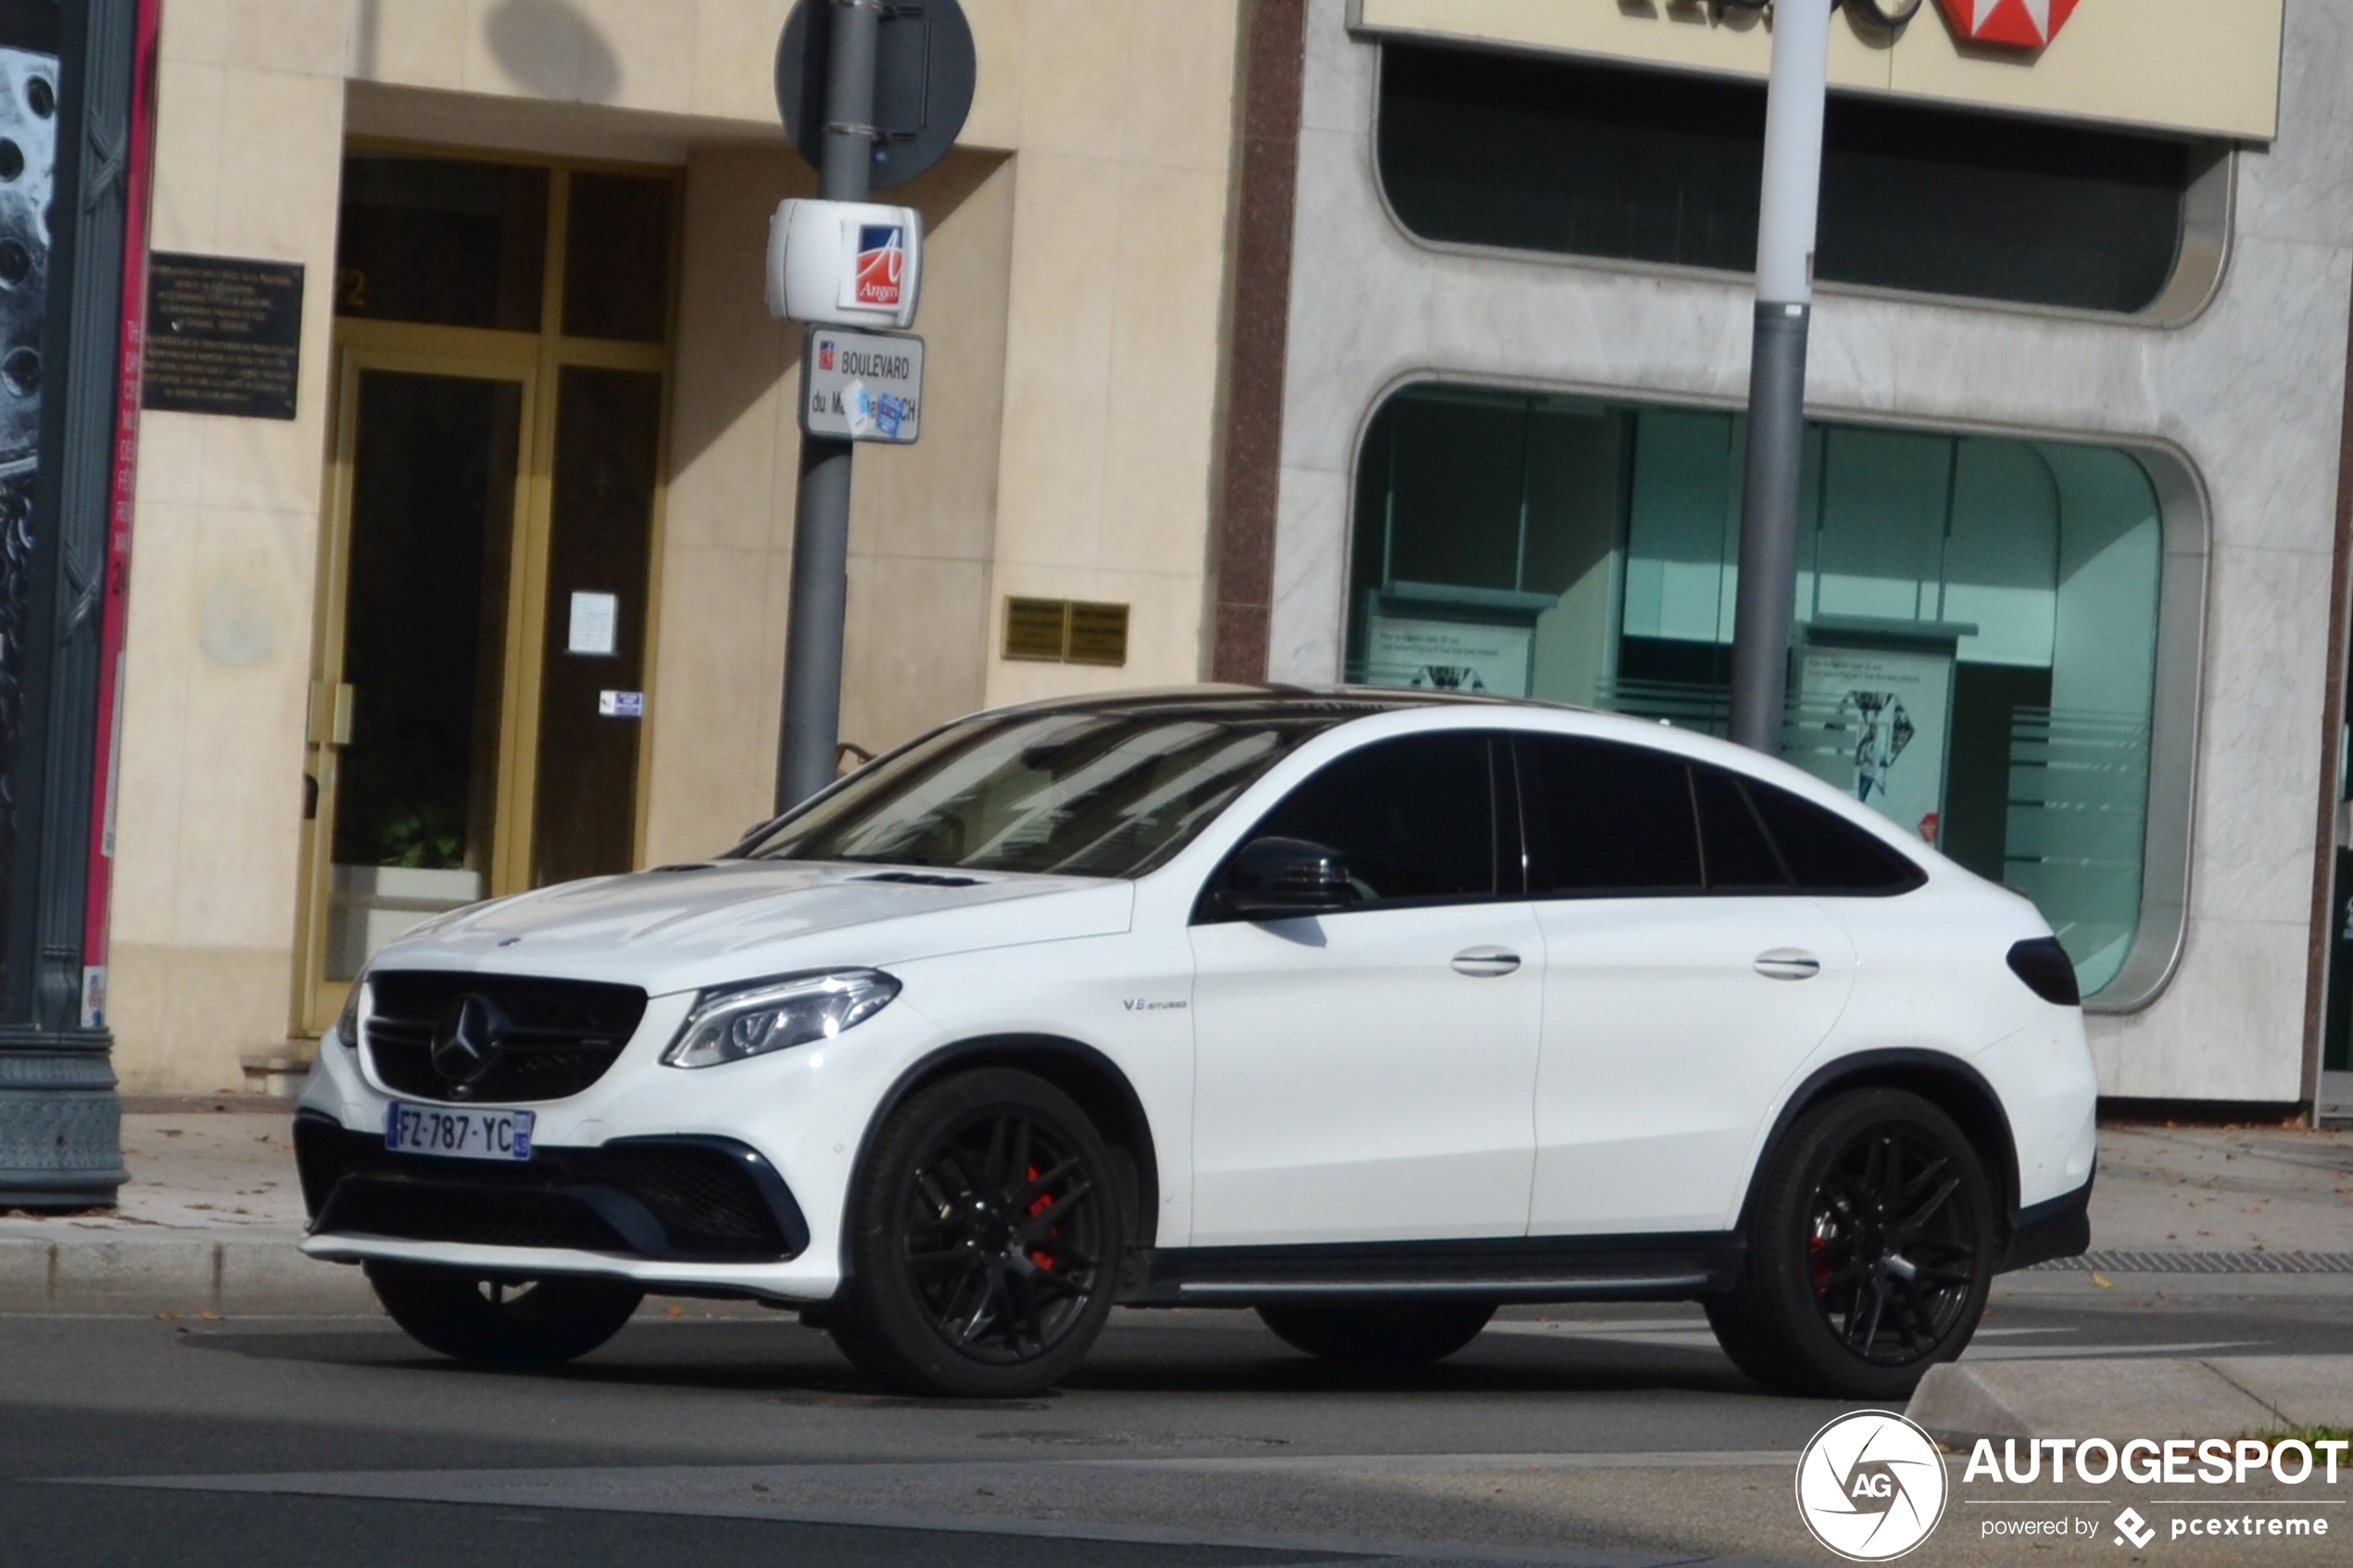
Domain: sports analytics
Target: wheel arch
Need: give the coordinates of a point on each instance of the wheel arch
(1080, 1071)
(1947, 1082)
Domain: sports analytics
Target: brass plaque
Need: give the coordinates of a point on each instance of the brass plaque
(1037, 628)
(1098, 633)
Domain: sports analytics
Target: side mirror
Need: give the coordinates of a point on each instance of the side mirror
(1281, 878)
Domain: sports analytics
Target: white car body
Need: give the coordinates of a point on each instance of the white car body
(1340, 1095)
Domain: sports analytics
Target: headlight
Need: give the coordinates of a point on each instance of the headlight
(348, 1023)
(773, 1015)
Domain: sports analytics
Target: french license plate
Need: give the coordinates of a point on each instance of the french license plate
(457, 1135)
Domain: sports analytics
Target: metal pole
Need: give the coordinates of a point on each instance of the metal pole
(1788, 208)
(812, 723)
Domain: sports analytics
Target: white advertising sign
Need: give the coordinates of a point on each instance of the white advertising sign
(1451, 656)
(858, 264)
(1875, 722)
(862, 386)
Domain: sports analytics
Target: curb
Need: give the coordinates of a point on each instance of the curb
(2218, 1397)
(175, 1273)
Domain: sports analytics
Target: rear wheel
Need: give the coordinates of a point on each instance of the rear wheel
(984, 1241)
(1871, 1251)
(502, 1322)
(1399, 1336)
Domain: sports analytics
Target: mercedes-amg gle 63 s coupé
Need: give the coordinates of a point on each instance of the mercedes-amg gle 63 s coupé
(1370, 1011)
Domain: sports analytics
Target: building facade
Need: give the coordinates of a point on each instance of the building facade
(2077, 407)
(536, 383)
(1392, 340)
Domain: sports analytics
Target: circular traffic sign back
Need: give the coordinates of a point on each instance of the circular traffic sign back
(923, 75)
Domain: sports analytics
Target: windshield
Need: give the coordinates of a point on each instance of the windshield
(1079, 793)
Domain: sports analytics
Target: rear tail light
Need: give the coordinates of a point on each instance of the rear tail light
(2047, 970)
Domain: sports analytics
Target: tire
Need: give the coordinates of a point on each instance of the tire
(983, 1242)
(1870, 1249)
(1407, 1334)
(491, 1322)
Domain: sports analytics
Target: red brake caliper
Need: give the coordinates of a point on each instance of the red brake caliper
(1045, 1260)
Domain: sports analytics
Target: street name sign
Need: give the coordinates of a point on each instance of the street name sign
(862, 387)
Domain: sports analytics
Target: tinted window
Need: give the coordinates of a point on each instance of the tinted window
(1603, 818)
(442, 241)
(617, 258)
(1827, 855)
(1413, 818)
(1551, 155)
(1739, 858)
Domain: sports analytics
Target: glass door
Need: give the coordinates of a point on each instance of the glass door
(411, 759)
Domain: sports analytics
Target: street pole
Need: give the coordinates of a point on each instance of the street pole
(1790, 203)
(811, 720)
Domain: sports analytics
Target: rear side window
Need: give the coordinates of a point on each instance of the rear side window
(1826, 854)
(1413, 818)
(1607, 819)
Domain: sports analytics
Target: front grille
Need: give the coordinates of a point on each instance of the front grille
(688, 1198)
(558, 1036)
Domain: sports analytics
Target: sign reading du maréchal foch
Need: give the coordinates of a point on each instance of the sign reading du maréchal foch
(862, 386)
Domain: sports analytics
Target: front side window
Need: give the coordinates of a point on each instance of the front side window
(1076, 793)
(1413, 818)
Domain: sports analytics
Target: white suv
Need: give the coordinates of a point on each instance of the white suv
(1370, 1011)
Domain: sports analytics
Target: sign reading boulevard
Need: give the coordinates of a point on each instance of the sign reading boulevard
(862, 387)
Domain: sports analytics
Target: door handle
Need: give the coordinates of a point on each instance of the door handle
(1788, 963)
(1486, 963)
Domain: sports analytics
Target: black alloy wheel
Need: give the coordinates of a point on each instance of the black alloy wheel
(984, 1240)
(1872, 1245)
(1893, 1245)
(498, 1321)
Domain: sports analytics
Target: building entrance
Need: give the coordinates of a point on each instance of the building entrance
(478, 695)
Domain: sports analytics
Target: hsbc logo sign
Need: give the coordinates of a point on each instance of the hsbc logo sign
(2022, 24)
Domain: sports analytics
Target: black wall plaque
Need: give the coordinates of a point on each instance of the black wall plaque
(224, 336)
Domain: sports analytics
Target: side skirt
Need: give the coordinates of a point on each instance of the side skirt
(1514, 1269)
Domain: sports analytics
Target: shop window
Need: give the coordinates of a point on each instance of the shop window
(1977, 617)
(1542, 155)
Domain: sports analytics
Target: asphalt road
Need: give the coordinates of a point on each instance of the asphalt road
(721, 1437)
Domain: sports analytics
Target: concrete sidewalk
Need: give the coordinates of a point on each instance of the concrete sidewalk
(209, 1224)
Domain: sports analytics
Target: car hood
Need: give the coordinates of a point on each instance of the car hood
(682, 928)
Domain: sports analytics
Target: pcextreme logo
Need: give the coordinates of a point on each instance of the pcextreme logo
(1870, 1485)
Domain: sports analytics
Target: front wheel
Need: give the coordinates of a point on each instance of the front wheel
(1871, 1251)
(1405, 1335)
(501, 1322)
(984, 1244)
